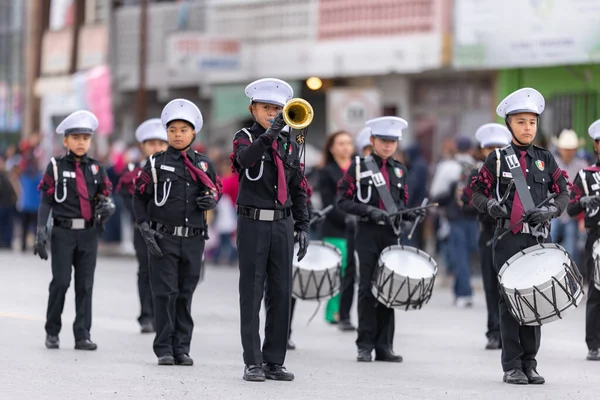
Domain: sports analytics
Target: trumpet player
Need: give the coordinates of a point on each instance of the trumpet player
(272, 211)
(585, 197)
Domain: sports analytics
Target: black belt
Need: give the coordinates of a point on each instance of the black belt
(263, 215)
(505, 224)
(368, 220)
(73, 223)
(181, 231)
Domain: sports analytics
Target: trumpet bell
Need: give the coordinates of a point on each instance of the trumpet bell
(297, 113)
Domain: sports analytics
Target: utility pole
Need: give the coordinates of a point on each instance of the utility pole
(141, 93)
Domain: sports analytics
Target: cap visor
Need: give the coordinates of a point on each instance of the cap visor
(385, 137)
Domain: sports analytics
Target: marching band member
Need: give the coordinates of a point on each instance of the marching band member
(372, 188)
(153, 139)
(585, 197)
(77, 190)
(490, 137)
(272, 190)
(535, 171)
(172, 194)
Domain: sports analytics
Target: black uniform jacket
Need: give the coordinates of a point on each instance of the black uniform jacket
(589, 185)
(95, 177)
(253, 158)
(542, 175)
(174, 182)
(348, 196)
(335, 221)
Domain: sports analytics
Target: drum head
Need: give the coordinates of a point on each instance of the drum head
(408, 261)
(534, 266)
(319, 256)
(596, 248)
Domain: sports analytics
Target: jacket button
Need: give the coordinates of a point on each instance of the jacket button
(526, 170)
(188, 184)
(529, 187)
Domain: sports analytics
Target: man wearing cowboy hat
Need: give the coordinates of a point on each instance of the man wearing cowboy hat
(564, 230)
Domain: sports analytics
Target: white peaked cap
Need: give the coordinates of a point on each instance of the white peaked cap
(151, 129)
(181, 109)
(387, 127)
(523, 100)
(79, 122)
(594, 130)
(489, 135)
(270, 91)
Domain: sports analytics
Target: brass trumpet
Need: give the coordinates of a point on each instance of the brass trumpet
(297, 113)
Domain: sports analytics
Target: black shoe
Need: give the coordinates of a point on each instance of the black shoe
(593, 355)
(387, 355)
(277, 372)
(166, 359)
(184, 359)
(148, 327)
(493, 344)
(533, 377)
(364, 355)
(291, 345)
(52, 342)
(346, 326)
(86, 344)
(516, 377)
(254, 373)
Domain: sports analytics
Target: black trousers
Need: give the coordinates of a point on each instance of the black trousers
(592, 316)
(173, 279)
(349, 278)
(141, 253)
(520, 344)
(265, 251)
(490, 282)
(375, 321)
(292, 308)
(77, 249)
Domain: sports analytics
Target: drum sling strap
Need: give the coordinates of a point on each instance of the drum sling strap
(380, 185)
(382, 190)
(521, 185)
(517, 173)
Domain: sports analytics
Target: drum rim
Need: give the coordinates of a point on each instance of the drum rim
(411, 249)
(321, 242)
(528, 250)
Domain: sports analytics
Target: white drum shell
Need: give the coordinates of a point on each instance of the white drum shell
(559, 292)
(317, 276)
(596, 255)
(400, 284)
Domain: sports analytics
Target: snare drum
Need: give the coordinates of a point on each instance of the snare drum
(596, 255)
(404, 278)
(540, 283)
(317, 276)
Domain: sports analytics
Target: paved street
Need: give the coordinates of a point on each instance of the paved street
(442, 349)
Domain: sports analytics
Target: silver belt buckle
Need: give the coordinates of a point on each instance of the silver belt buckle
(178, 231)
(266, 215)
(526, 228)
(78, 223)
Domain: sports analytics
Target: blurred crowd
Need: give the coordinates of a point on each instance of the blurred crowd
(448, 234)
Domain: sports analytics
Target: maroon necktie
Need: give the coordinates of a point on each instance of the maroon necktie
(84, 199)
(281, 184)
(197, 173)
(517, 207)
(385, 175)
